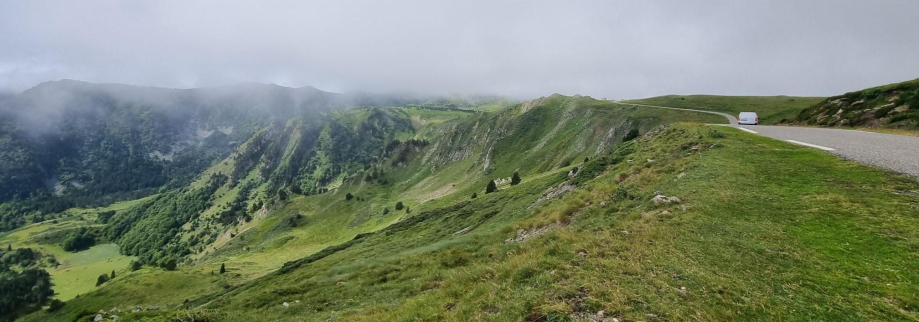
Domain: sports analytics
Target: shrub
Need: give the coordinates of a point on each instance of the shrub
(282, 194)
(633, 133)
(474, 195)
(399, 205)
(169, 264)
(349, 196)
(515, 179)
(715, 133)
(491, 187)
(135, 265)
(55, 305)
(223, 268)
(101, 279)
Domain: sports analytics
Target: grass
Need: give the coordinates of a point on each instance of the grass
(770, 109)
(78, 271)
(787, 233)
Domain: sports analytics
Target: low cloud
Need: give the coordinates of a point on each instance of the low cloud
(614, 49)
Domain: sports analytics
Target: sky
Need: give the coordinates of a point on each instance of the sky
(521, 49)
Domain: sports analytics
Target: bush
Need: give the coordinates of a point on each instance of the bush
(55, 305)
(282, 194)
(715, 133)
(633, 134)
(169, 264)
(399, 205)
(349, 196)
(101, 280)
(474, 195)
(79, 240)
(491, 187)
(135, 265)
(515, 179)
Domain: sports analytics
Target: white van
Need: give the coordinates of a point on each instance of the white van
(748, 118)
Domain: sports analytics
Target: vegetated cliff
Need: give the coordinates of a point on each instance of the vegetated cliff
(889, 106)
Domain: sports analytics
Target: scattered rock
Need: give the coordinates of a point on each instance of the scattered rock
(583, 253)
(297, 301)
(684, 207)
(137, 309)
(650, 160)
(665, 212)
(681, 175)
(98, 317)
(463, 231)
(553, 192)
(683, 290)
(603, 204)
(285, 304)
(113, 317)
(527, 234)
(662, 199)
(153, 308)
(593, 317)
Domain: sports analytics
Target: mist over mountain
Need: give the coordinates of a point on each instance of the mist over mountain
(65, 137)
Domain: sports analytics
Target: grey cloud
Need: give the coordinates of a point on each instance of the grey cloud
(615, 49)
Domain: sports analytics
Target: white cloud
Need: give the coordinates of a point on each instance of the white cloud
(616, 49)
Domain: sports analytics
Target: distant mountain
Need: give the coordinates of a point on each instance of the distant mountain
(888, 106)
(73, 143)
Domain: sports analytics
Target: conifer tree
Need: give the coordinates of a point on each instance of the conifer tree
(491, 187)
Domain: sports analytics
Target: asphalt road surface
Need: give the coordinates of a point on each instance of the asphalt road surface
(898, 153)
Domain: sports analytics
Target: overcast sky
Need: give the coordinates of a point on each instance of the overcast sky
(525, 49)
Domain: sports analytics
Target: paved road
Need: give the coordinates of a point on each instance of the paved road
(894, 152)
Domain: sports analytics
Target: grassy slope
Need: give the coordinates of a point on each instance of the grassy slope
(771, 109)
(818, 238)
(740, 258)
(266, 243)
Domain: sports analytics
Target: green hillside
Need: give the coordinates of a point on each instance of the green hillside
(771, 109)
(380, 213)
(281, 195)
(894, 106)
